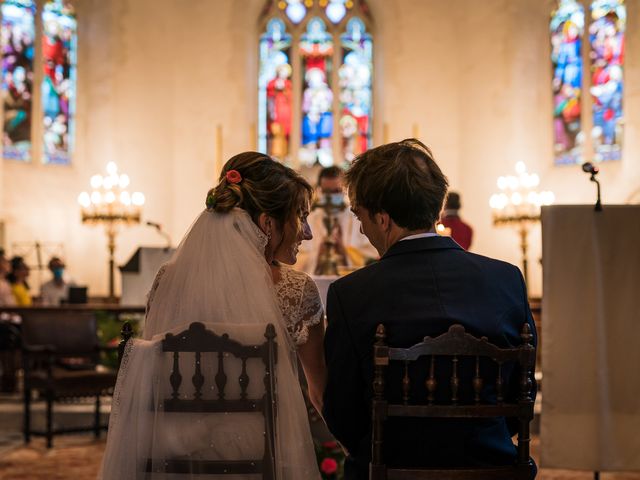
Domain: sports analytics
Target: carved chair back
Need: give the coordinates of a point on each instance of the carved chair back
(67, 333)
(446, 352)
(198, 340)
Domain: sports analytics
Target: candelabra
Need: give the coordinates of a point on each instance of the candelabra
(518, 205)
(111, 205)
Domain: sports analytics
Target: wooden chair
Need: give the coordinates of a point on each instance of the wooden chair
(197, 339)
(60, 358)
(9, 358)
(455, 344)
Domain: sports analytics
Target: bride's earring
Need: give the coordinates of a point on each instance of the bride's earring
(268, 249)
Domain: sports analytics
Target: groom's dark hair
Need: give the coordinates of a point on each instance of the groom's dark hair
(401, 179)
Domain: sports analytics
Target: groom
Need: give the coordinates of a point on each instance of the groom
(422, 285)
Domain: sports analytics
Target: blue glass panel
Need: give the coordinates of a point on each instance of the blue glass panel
(567, 29)
(316, 49)
(274, 91)
(607, 39)
(355, 89)
(59, 52)
(18, 35)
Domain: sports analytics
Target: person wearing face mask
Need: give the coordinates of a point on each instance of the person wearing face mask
(56, 290)
(352, 248)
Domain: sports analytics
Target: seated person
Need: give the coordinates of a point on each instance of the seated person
(56, 290)
(461, 232)
(351, 246)
(18, 280)
(6, 295)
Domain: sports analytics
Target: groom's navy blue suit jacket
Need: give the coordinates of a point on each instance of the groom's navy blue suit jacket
(420, 287)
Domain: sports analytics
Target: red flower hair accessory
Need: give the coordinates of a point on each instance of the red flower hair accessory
(233, 176)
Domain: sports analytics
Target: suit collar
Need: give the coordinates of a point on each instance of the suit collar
(419, 244)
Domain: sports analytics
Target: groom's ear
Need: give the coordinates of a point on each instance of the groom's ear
(383, 220)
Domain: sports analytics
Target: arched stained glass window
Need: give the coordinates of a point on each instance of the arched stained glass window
(315, 81)
(607, 39)
(567, 29)
(274, 90)
(316, 49)
(59, 50)
(18, 36)
(355, 89)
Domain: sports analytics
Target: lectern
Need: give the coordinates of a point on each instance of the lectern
(590, 416)
(140, 271)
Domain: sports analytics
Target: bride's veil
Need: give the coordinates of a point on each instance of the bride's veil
(218, 276)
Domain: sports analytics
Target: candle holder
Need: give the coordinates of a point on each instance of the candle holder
(518, 206)
(110, 204)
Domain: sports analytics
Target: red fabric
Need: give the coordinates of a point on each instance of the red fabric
(53, 52)
(460, 231)
(279, 92)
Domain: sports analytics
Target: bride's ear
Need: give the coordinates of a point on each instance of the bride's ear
(265, 222)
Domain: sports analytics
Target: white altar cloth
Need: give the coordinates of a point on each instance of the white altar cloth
(591, 338)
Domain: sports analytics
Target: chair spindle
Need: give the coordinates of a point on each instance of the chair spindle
(406, 383)
(175, 379)
(477, 381)
(499, 385)
(525, 379)
(431, 382)
(455, 381)
(243, 379)
(221, 377)
(198, 378)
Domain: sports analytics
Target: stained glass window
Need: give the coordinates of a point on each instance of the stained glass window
(59, 46)
(316, 49)
(294, 9)
(337, 9)
(607, 39)
(274, 91)
(567, 29)
(355, 89)
(315, 81)
(18, 34)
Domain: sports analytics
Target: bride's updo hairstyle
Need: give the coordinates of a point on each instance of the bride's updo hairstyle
(258, 184)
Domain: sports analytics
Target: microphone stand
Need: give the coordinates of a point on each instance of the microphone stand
(593, 178)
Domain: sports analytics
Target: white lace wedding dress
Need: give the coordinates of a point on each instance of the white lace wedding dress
(218, 276)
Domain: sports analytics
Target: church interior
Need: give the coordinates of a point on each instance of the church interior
(119, 115)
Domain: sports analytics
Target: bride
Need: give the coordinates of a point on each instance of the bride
(231, 273)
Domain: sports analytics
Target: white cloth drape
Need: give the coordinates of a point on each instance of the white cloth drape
(219, 277)
(591, 338)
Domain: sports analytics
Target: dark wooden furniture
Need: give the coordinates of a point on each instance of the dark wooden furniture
(9, 346)
(454, 345)
(197, 339)
(60, 354)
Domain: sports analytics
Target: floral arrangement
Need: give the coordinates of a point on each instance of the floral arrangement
(330, 460)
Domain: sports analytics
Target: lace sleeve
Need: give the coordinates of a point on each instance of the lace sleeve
(300, 303)
(311, 311)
